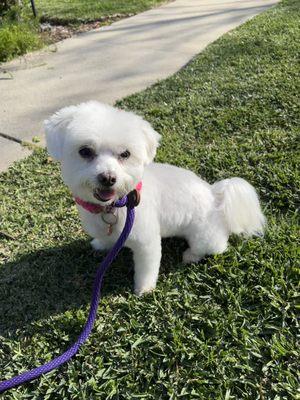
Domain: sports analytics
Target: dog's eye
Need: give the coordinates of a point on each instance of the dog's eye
(87, 152)
(125, 154)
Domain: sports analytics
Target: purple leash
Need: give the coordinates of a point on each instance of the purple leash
(131, 200)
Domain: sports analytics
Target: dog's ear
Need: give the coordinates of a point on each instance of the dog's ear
(56, 130)
(152, 140)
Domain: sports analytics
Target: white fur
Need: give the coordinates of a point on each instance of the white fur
(174, 201)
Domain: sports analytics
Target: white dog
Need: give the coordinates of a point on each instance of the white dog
(105, 152)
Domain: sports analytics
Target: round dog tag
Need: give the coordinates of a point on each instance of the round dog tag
(110, 218)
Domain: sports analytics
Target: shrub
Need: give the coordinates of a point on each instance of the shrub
(17, 39)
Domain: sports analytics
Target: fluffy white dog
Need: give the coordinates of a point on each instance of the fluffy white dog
(105, 152)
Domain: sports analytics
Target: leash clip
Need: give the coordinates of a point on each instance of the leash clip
(133, 198)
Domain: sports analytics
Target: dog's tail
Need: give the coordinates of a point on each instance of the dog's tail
(239, 202)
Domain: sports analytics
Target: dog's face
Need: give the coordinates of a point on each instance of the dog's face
(102, 150)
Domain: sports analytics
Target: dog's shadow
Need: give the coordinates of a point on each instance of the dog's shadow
(54, 280)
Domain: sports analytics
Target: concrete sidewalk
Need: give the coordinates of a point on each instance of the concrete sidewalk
(110, 63)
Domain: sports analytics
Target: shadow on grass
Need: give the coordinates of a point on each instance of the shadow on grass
(54, 280)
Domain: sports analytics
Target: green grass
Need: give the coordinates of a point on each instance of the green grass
(17, 39)
(221, 329)
(73, 11)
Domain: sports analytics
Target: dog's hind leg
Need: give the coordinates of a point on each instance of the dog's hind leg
(205, 239)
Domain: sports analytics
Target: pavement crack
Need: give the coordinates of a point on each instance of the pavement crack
(12, 138)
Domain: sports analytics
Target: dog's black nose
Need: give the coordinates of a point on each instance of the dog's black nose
(107, 179)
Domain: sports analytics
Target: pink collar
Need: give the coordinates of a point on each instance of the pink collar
(97, 208)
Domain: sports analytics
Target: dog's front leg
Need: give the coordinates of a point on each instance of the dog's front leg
(146, 265)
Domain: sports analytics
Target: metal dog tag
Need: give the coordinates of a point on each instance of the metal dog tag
(110, 218)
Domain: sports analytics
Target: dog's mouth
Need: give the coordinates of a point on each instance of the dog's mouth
(104, 195)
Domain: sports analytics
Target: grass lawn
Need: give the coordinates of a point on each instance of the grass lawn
(73, 11)
(221, 329)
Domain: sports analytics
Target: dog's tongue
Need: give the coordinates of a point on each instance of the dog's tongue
(104, 195)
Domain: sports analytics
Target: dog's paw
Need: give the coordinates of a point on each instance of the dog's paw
(97, 245)
(140, 291)
(188, 257)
